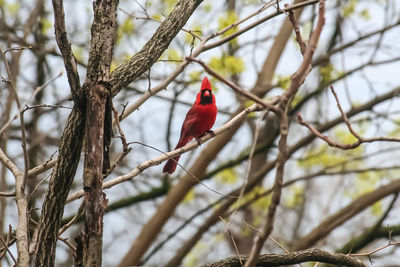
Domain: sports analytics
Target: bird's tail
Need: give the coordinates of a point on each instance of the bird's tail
(170, 166)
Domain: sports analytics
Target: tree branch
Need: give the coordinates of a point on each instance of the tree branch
(98, 131)
(294, 258)
(67, 53)
(153, 49)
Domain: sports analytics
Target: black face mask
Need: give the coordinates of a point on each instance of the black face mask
(206, 99)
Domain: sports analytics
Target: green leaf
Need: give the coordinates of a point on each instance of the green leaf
(283, 81)
(113, 66)
(195, 75)
(225, 20)
(207, 7)
(227, 176)
(349, 8)
(157, 16)
(364, 14)
(12, 8)
(294, 196)
(247, 104)
(173, 55)
(46, 25)
(325, 156)
(227, 65)
(78, 52)
(328, 73)
(170, 5)
(189, 196)
(127, 27)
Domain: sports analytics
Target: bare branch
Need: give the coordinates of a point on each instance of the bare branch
(7, 249)
(24, 106)
(7, 194)
(332, 143)
(299, 39)
(20, 180)
(69, 58)
(294, 258)
(8, 163)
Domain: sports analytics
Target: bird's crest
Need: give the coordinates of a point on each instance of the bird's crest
(206, 84)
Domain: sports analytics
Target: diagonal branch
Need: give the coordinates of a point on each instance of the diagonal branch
(153, 49)
(66, 51)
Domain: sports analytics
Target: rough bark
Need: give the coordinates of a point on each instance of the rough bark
(298, 257)
(90, 241)
(98, 110)
(60, 183)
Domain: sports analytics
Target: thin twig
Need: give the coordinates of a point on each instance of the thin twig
(7, 194)
(20, 181)
(72, 247)
(332, 143)
(236, 88)
(24, 106)
(202, 47)
(72, 221)
(6, 248)
(369, 253)
(295, 24)
(233, 240)
(186, 170)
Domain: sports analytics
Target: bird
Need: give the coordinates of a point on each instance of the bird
(198, 121)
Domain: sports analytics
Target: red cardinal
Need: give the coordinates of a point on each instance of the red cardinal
(199, 119)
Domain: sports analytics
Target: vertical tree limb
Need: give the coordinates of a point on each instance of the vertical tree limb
(98, 94)
(20, 181)
(45, 238)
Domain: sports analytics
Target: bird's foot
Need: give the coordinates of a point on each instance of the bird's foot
(210, 132)
(198, 141)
